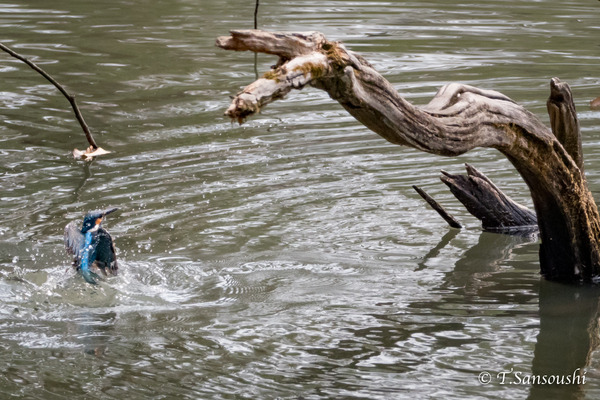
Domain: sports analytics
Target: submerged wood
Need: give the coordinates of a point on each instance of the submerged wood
(438, 208)
(497, 212)
(483, 199)
(459, 118)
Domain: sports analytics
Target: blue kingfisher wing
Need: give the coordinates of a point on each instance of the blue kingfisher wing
(104, 251)
(74, 239)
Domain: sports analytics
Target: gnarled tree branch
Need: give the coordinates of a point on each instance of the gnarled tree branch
(459, 118)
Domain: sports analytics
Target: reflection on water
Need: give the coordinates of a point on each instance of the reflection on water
(288, 257)
(568, 337)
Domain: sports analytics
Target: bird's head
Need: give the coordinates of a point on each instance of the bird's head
(92, 220)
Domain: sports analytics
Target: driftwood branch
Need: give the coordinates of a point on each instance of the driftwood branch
(497, 212)
(438, 208)
(563, 120)
(94, 149)
(459, 118)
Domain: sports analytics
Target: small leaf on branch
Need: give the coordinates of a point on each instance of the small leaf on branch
(89, 153)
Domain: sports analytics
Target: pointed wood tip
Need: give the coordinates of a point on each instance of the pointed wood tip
(450, 220)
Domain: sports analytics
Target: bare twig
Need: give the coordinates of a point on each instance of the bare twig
(256, 15)
(438, 207)
(256, 27)
(71, 98)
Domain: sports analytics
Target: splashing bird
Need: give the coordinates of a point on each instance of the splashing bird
(92, 246)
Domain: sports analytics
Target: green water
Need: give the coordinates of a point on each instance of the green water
(289, 257)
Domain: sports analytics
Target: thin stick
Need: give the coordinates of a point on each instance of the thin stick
(256, 27)
(437, 207)
(69, 97)
(256, 15)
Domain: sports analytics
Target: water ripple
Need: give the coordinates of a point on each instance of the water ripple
(288, 257)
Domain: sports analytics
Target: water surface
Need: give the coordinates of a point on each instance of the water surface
(288, 257)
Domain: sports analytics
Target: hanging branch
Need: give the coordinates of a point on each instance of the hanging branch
(92, 151)
(256, 27)
(256, 15)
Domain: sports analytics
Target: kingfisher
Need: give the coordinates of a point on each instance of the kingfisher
(92, 246)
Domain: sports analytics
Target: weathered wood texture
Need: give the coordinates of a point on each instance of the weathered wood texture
(458, 119)
(497, 212)
(564, 121)
(438, 208)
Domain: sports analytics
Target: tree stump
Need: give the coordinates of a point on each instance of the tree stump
(496, 211)
(459, 118)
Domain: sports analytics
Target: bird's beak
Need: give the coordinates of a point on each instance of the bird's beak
(110, 210)
(104, 214)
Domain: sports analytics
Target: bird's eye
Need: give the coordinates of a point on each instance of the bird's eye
(98, 221)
